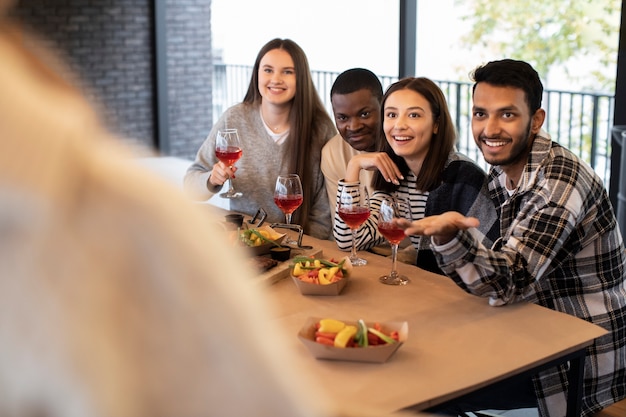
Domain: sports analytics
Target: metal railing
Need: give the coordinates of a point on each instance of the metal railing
(580, 121)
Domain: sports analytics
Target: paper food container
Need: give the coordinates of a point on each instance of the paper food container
(306, 288)
(264, 248)
(373, 354)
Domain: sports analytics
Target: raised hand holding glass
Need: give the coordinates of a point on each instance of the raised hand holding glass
(228, 151)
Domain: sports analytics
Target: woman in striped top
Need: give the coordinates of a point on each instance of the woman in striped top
(418, 163)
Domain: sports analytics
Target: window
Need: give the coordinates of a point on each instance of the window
(335, 34)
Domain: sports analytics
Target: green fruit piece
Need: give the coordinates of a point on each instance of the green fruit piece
(361, 335)
(383, 336)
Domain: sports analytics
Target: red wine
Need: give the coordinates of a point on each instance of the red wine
(392, 233)
(355, 216)
(288, 203)
(228, 155)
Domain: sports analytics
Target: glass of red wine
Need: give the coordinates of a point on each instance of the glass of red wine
(228, 151)
(354, 209)
(391, 208)
(288, 195)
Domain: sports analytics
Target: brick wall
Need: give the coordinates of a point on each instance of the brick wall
(110, 44)
(190, 72)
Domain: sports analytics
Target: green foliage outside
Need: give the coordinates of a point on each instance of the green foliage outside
(558, 37)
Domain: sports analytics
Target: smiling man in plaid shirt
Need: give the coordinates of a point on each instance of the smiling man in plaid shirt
(560, 245)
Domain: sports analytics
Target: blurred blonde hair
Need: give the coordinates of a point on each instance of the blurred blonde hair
(117, 296)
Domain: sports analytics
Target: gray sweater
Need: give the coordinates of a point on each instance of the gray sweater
(258, 169)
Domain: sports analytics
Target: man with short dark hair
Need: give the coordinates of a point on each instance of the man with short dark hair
(560, 246)
(355, 96)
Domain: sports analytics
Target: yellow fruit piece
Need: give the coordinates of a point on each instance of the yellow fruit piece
(331, 325)
(344, 336)
(322, 275)
(331, 273)
(317, 263)
(297, 270)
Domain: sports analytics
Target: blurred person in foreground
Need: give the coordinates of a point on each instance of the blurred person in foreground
(560, 246)
(111, 302)
(283, 126)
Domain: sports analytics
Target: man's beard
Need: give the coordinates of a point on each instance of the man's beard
(518, 151)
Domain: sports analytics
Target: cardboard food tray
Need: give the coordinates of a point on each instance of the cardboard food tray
(307, 288)
(265, 247)
(373, 354)
(283, 269)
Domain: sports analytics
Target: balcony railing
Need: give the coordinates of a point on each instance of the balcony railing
(580, 121)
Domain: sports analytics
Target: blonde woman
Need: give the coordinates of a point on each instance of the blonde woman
(111, 302)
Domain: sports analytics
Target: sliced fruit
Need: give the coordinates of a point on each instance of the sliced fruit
(344, 336)
(331, 325)
(331, 273)
(361, 336)
(381, 335)
(297, 270)
(323, 276)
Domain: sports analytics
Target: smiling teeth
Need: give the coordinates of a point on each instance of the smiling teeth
(401, 138)
(494, 143)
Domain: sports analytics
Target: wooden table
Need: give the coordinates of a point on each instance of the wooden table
(457, 343)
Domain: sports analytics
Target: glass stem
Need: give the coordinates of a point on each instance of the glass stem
(353, 255)
(231, 189)
(288, 218)
(394, 256)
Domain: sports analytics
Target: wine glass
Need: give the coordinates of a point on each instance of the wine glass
(354, 209)
(288, 194)
(228, 151)
(393, 208)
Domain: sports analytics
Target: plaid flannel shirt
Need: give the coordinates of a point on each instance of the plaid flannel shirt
(560, 248)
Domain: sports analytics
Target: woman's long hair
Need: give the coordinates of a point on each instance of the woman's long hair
(441, 143)
(306, 112)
